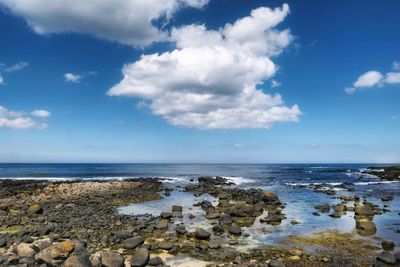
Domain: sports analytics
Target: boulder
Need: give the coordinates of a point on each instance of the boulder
(177, 208)
(202, 234)
(364, 210)
(323, 208)
(386, 257)
(156, 261)
(180, 229)
(166, 215)
(140, 258)
(235, 229)
(365, 226)
(271, 198)
(165, 245)
(111, 259)
(276, 263)
(213, 215)
(133, 242)
(218, 229)
(388, 245)
(25, 251)
(162, 224)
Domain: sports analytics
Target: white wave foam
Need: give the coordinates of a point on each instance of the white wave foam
(376, 182)
(238, 180)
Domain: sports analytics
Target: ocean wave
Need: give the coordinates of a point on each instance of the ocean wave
(312, 184)
(376, 182)
(238, 180)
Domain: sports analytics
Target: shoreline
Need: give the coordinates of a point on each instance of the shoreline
(81, 215)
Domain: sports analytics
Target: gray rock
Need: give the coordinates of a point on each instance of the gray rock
(213, 215)
(324, 208)
(202, 234)
(386, 257)
(177, 208)
(133, 242)
(162, 224)
(25, 250)
(235, 229)
(364, 210)
(180, 229)
(166, 215)
(78, 259)
(140, 258)
(156, 261)
(111, 259)
(165, 245)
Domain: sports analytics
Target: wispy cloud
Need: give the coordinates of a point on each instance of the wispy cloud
(21, 120)
(17, 66)
(72, 77)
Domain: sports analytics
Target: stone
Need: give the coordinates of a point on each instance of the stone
(140, 258)
(294, 258)
(166, 215)
(225, 219)
(165, 245)
(162, 224)
(386, 257)
(364, 210)
(387, 198)
(271, 198)
(111, 259)
(336, 214)
(296, 252)
(202, 234)
(213, 244)
(41, 244)
(133, 242)
(180, 229)
(294, 222)
(62, 250)
(25, 251)
(324, 208)
(235, 229)
(276, 263)
(78, 259)
(156, 261)
(388, 245)
(35, 209)
(218, 229)
(365, 226)
(213, 215)
(177, 208)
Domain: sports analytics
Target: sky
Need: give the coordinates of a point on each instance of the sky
(200, 81)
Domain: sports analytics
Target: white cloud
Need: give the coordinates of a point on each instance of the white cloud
(375, 78)
(18, 120)
(392, 78)
(210, 80)
(17, 66)
(368, 79)
(72, 78)
(1, 80)
(41, 113)
(275, 83)
(130, 22)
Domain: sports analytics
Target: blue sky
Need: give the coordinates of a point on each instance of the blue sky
(220, 81)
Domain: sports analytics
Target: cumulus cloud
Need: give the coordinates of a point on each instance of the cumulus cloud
(20, 120)
(72, 78)
(131, 22)
(210, 80)
(41, 113)
(375, 78)
(17, 66)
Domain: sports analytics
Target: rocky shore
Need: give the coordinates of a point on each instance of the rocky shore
(77, 224)
(391, 173)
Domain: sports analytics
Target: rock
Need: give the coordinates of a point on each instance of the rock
(213, 244)
(273, 218)
(78, 259)
(180, 229)
(324, 208)
(296, 252)
(35, 209)
(387, 198)
(276, 263)
(166, 215)
(225, 219)
(388, 245)
(202, 234)
(140, 258)
(44, 256)
(294, 258)
(271, 198)
(218, 229)
(294, 222)
(133, 242)
(340, 208)
(41, 244)
(213, 215)
(62, 250)
(316, 213)
(224, 195)
(25, 251)
(95, 259)
(336, 214)
(165, 245)
(386, 257)
(111, 259)
(156, 261)
(364, 210)
(243, 210)
(235, 229)
(365, 226)
(162, 224)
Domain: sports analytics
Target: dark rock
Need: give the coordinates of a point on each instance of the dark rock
(162, 224)
(235, 229)
(180, 229)
(202, 234)
(156, 261)
(323, 208)
(165, 245)
(218, 229)
(276, 263)
(225, 219)
(166, 215)
(177, 208)
(140, 258)
(133, 242)
(388, 245)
